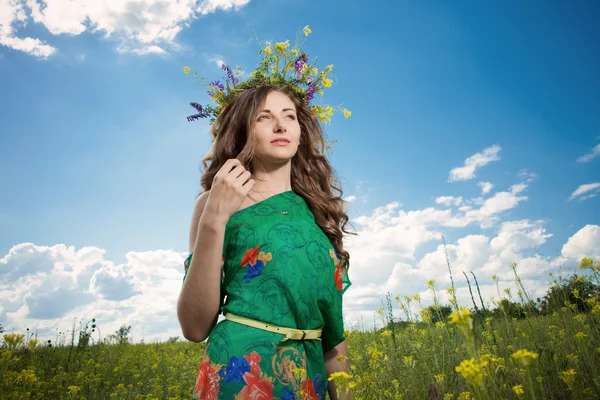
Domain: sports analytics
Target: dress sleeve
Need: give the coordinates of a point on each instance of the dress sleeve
(333, 331)
(186, 265)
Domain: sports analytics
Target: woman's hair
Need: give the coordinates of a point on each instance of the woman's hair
(312, 175)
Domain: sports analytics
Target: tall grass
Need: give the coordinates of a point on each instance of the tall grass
(481, 354)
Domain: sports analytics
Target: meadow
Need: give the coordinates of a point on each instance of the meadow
(545, 348)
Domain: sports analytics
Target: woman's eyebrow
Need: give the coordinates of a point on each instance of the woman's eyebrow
(285, 109)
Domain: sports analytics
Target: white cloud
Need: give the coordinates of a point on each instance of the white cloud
(350, 199)
(43, 288)
(593, 153)
(138, 26)
(449, 200)
(486, 187)
(13, 16)
(477, 160)
(585, 243)
(586, 191)
(526, 176)
(217, 59)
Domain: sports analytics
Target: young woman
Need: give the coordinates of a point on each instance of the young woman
(267, 233)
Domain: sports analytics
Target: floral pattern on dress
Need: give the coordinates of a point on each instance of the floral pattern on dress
(255, 260)
(207, 380)
(337, 275)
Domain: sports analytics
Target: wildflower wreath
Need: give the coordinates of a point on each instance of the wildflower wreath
(280, 66)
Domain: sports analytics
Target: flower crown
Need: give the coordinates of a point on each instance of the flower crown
(280, 66)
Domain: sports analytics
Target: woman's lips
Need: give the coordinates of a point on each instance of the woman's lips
(280, 142)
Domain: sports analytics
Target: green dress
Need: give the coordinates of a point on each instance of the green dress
(283, 270)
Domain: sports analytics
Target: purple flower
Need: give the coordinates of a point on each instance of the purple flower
(201, 113)
(299, 63)
(310, 93)
(218, 84)
(230, 75)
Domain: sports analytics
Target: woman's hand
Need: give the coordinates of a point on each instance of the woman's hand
(230, 187)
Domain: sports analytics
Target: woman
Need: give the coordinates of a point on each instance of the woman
(267, 233)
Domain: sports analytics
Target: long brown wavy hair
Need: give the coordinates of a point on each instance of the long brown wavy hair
(312, 175)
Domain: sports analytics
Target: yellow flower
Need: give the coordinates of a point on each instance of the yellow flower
(347, 113)
(327, 82)
(295, 52)
(469, 369)
(580, 336)
(306, 30)
(386, 333)
(268, 50)
(518, 389)
(425, 315)
(329, 68)
(462, 319)
(524, 357)
(568, 376)
(282, 46)
(314, 71)
(341, 375)
(186, 70)
(440, 324)
(409, 361)
(430, 283)
(464, 396)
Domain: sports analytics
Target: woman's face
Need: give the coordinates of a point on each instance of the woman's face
(276, 129)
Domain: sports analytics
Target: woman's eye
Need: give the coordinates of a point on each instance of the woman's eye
(262, 116)
(292, 116)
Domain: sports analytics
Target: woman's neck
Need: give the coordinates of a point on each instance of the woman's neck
(272, 180)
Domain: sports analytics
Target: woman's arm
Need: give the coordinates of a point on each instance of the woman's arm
(199, 300)
(336, 360)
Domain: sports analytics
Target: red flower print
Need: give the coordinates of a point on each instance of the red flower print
(250, 257)
(254, 360)
(309, 390)
(338, 277)
(207, 382)
(256, 388)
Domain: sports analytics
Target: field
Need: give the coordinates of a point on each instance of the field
(548, 349)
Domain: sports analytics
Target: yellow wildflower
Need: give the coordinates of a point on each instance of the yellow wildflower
(462, 319)
(409, 361)
(339, 377)
(295, 52)
(469, 369)
(425, 315)
(430, 283)
(329, 68)
(524, 357)
(580, 336)
(315, 71)
(568, 376)
(386, 333)
(518, 389)
(327, 82)
(282, 46)
(464, 396)
(186, 70)
(307, 31)
(347, 113)
(268, 50)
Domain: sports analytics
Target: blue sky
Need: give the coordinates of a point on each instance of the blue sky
(96, 152)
